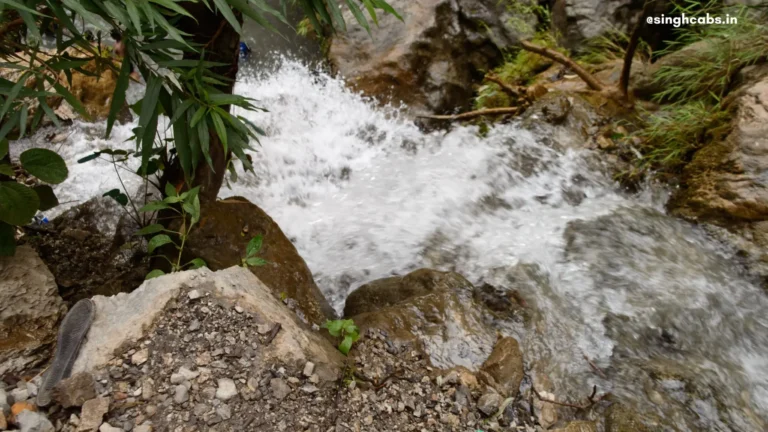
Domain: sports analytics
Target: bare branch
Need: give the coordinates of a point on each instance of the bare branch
(634, 40)
(588, 78)
(512, 91)
(472, 114)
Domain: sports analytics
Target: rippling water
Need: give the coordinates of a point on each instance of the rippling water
(677, 329)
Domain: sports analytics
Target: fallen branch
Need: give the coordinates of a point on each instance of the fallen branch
(591, 80)
(595, 367)
(504, 86)
(591, 400)
(472, 114)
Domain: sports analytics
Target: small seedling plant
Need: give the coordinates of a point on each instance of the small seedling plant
(253, 248)
(187, 205)
(345, 329)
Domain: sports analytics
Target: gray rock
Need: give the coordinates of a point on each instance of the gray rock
(279, 388)
(194, 325)
(5, 406)
(140, 357)
(92, 413)
(309, 369)
(489, 403)
(30, 308)
(106, 427)
(143, 428)
(194, 295)
(30, 421)
(224, 411)
(180, 394)
(309, 389)
(226, 389)
(75, 390)
(184, 374)
(200, 409)
(20, 394)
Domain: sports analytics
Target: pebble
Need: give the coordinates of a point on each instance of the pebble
(279, 388)
(143, 428)
(194, 295)
(263, 329)
(75, 390)
(184, 374)
(226, 389)
(309, 389)
(30, 421)
(140, 357)
(3, 421)
(194, 325)
(489, 403)
(5, 407)
(180, 394)
(309, 369)
(224, 411)
(239, 310)
(106, 427)
(20, 394)
(92, 413)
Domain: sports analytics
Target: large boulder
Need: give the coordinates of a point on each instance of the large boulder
(123, 319)
(726, 181)
(30, 308)
(435, 311)
(221, 238)
(430, 59)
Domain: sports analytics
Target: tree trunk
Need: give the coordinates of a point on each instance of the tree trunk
(220, 44)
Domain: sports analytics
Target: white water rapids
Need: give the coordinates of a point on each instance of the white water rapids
(666, 312)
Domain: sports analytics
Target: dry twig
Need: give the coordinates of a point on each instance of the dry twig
(472, 114)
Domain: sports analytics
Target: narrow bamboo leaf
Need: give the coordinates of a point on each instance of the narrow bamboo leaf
(3, 148)
(178, 111)
(170, 4)
(135, 15)
(148, 118)
(199, 114)
(221, 131)
(226, 10)
(23, 113)
(309, 11)
(9, 124)
(205, 141)
(19, 6)
(69, 97)
(14, 93)
(358, 15)
(118, 97)
(49, 112)
(31, 24)
(336, 12)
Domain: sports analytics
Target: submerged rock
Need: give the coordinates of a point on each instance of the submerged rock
(30, 308)
(505, 366)
(436, 310)
(224, 231)
(430, 59)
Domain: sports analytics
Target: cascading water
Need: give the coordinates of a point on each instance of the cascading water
(663, 311)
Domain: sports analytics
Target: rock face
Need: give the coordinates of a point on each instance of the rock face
(127, 317)
(30, 308)
(726, 181)
(226, 228)
(430, 59)
(436, 310)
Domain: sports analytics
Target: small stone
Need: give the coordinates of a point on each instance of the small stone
(194, 325)
(143, 428)
(92, 413)
(226, 389)
(368, 420)
(224, 411)
(140, 357)
(31, 389)
(5, 407)
(3, 421)
(239, 310)
(20, 394)
(180, 394)
(309, 389)
(22, 406)
(489, 403)
(309, 369)
(30, 421)
(184, 374)
(209, 393)
(279, 388)
(263, 329)
(75, 390)
(74, 420)
(194, 295)
(106, 427)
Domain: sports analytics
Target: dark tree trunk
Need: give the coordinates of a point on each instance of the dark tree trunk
(220, 44)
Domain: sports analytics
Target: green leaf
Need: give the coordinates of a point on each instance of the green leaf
(225, 10)
(47, 197)
(358, 15)
(49, 112)
(148, 118)
(154, 206)
(7, 239)
(179, 110)
(334, 327)
(118, 97)
(170, 4)
(6, 170)
(205, 142)
(8, 125)
(118, 196)
(14, 93)
(44, 164)
(197, 263)
(221, 131)
(72, 100)
(254, 246)
(18, 203)
(346, 345)
(157, 241)
(199, 114)
(336, 13)
(29, 20)
(195, 209)
(255, 261)
(23, 113)
(3, 148)
(16, 5)
(153, 274)
(150, 229)
(170, 190)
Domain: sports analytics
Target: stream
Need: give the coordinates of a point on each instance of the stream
(666, 313)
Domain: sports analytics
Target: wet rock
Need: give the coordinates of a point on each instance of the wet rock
(578, 426)
(430, 60)
(30, 308)
(30, 421)
(441, 317)
(505, 366)
(75, 390)
(226, 389)
(725, 181)
(92, 414)
(621, 419)
(221, 238)
(489, 403)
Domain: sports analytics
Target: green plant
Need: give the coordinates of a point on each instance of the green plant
(188, 80)
(611, 46)
(345, 329)
(186, 204)
(672, 134)
(18, 202)
(254, 247)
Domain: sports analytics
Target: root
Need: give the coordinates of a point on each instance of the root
(591, 80)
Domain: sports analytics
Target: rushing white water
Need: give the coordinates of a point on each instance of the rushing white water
(364, 194)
